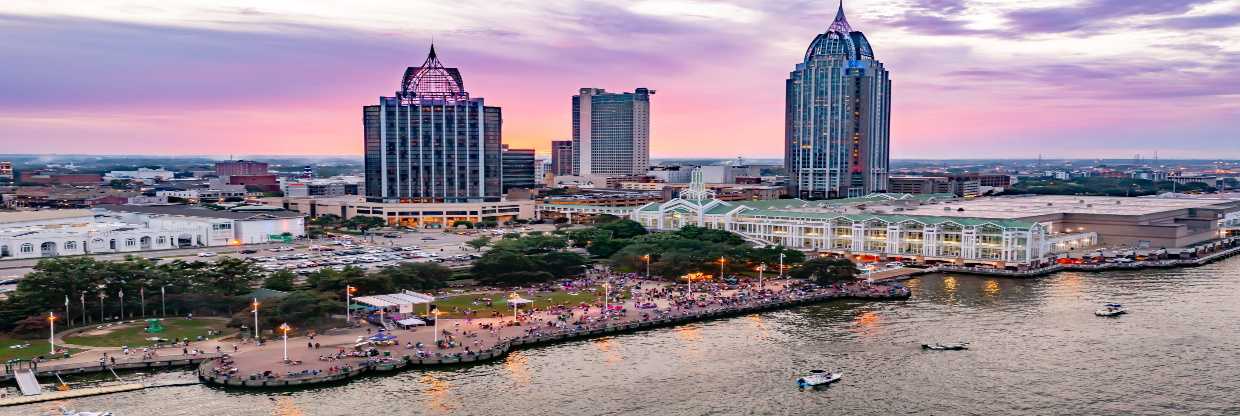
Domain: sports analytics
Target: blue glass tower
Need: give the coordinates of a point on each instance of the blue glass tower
(838, 117)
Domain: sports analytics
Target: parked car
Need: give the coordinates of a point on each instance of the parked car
(206, 254)
(249, 251)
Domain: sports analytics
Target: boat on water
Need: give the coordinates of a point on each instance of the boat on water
(66, 412)
(818, 378)
(946, 347)
(1111, 309)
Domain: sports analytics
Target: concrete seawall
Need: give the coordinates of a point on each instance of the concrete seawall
(502, 349)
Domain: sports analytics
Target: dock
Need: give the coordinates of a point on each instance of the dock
(70, 394)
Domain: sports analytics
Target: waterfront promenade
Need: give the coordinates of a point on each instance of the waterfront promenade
(336, 356)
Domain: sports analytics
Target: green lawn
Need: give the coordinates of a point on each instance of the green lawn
(134, 335)
(541, 300)
(37, 347)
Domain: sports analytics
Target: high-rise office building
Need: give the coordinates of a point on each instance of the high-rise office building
(518, 171)
(561, 157)
(611, 132)
(838, 116)
(432, 142)
(240, 168)
(6, 170)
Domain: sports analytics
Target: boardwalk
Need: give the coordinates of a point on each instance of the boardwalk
(335, 357)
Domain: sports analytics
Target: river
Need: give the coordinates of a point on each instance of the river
(1035, 348)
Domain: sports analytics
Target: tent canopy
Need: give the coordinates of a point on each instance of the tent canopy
(410, 322)
(395, 299)
(519, 301)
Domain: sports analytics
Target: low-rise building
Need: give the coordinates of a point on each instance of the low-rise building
(215, 227)
(412, 215)
(142, 174)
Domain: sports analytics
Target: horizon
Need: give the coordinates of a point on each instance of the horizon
(1005, 81)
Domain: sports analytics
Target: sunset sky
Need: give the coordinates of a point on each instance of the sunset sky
(971, 78)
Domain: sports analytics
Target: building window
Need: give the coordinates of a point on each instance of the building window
(129, 242)
(27, 248)
(71, 245)
(160, 240)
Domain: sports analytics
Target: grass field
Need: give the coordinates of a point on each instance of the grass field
(133, 334)
(37, 347)
(453, 307)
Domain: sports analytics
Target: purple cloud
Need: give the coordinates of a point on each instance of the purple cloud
(1092, 14)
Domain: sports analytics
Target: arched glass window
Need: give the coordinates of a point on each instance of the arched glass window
(27, 248)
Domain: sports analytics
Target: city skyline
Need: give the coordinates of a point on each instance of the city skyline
(1106, 78)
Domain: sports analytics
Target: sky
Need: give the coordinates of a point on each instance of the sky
(971, 78)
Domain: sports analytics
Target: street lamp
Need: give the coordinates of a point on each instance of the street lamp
(761, 268)
(255, 320)
(436, 329)
(163, 307)
(51, 338)
(647, 259)
(348, 296)
(512, 297)
(606, 298)
(101, 297)
(284, 328)
(781, 265)
(722, 261)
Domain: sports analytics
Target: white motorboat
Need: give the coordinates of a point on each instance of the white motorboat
(1111, 309)
(946, 347)
(66, 412)
(818, 378)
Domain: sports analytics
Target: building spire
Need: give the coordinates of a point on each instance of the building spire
(840, 24)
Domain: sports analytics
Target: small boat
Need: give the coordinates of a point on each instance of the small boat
(1111, 309)
(818, 378)
(66, 412)
(946, 347)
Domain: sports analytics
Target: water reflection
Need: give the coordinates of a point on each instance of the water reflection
(866, 323)
(991, 288)
(604, 345)
(437, 392)
(517, 366)
(286, 407)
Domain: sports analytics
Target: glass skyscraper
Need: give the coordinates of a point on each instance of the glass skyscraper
(432, 142)
(611, 132)
(838, 118)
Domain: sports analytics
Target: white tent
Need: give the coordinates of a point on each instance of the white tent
(410, 322)
(404, 300)
(519, 301)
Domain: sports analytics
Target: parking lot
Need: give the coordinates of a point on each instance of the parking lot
(371, 251)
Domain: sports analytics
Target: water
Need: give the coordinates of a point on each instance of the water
(1036, 348)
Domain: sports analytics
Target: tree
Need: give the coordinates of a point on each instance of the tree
(562, 264)
(417, 276)
(605, 219)
(826, 270)
(229, 276)
(363, 223)
(606, 247)
(479, 243)
(623, 229)
(326, 220)
(281, 280)
(462, 223)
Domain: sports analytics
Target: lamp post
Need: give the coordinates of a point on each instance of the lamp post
(101, 297)
(163, 307)
(781, 265)
(761, 268)
(512, 297)
(121, 295)
(647, 258)
(142, 300)
(606, 299)
(348, 299)
(284, 328)
(722, 261)
(51, 338)
(436, 330)
(255, 320)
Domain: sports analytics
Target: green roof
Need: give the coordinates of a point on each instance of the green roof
(924, 219)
